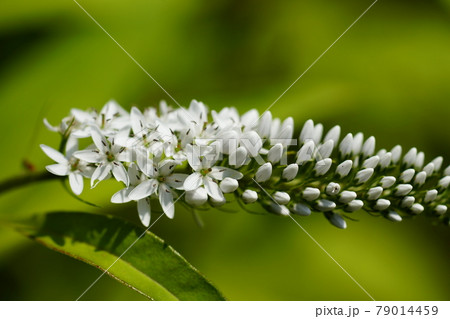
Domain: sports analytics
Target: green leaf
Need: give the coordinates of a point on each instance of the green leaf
(150, 267)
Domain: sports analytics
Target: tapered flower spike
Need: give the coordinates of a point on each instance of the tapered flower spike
(204, 158)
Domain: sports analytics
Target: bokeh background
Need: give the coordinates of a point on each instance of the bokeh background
(388, 76)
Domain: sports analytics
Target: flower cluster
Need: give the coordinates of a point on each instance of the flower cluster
(210, 158)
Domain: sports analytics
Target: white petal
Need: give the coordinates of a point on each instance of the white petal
(238, 157)
(166, 167)
(122, 196)
(99, 140)
(193, 181)
(76, 183)
(120, 174)
(212, 188)
(90, 156)
(220, 172)
(100, 174)
(166, 200)
(144, 211)
(137, 120)
(54, 154)
(176, 180)
(144, 189)
(71, 146)
(58, 169)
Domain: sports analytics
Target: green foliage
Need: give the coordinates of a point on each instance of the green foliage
(151, 267)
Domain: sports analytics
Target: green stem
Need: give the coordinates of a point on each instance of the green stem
(23, 180)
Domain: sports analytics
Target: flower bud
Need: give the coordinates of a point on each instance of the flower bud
(382, 204)
(333, 189)
(326, 149)
(346, 145)
(278, 209)
(420, 178)
(429, 169)
(275, 153)
(385, 160)
(444, 182)
(417, 209)
(410, 158)
(305, 153)
(307, 131)
(229, 185)
(407, 201)
(418, 164)
(357, 143)
(196, 197)
(323, 166)
(407, 175)
(396, 153)
(374, 193)
(387, 181)
(354, 205)
(403, 189)
(430, 196)
(437, 163)
(238, 157)
(333, 134)
(363, 175)
(281, 198)
(311, 194)
(337, 220)
(347, 196)
(393, 216)
(301, 209)
(325, 205)
(440, 209)
(344, 168)
(369, 147)
(249, 196)
(371, 162)
(263, 173)
(317, 133)
(290, 172)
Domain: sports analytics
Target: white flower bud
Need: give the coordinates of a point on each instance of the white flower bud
(374, 193)
(429, 169)
(196, 197)
(420, 178)
(307, 131)
(325, 205)
(275, 153)
(249, 196)
(217, 202)
(369, 147)
(371, 162)
(278, 209)
(410, 158)
(344, 168)
(326, 149)
(229, 185)
(263, 173)
(363, 175)
(238, 157)
(437, 163)
(393, 216)
(403, 189)
(311, 194)
(281, 198)
(419, 161)
(417, 209)
(346, 145)
(447, 171)
(357, 143)
(333, 189)
(387, 181)
(354, 205)
(323, 166)
(407, 175)
(305, 153)
(265, 124)
(381, 153)
(396, 153)
(301, 209)
(333, 134)
(347, 196)
(408, 201)
(382, 204)
(385, 160)
(337, 220)
(290, 172)
(430, 196)
(440, 209)
(317, 133)
(444, 182)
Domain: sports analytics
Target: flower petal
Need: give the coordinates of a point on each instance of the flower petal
(144, 189)
(98, 138)
(220, 172)
(54, 154)
(90, 156)
(144, 211)
(121, 196)
(176, 180)
(166, 200)
(120, 173)
(58, 169)
(166, 167)
(76, 183)
(101, 173)
(193, 181)
(212, 188)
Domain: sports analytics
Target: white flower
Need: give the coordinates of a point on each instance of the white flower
(68, 165)
(205, 173)
(108, 157)
(161, 180)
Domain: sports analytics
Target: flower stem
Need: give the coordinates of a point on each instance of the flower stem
(23, 180)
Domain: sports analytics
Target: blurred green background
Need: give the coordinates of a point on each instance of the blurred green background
(387, 77)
